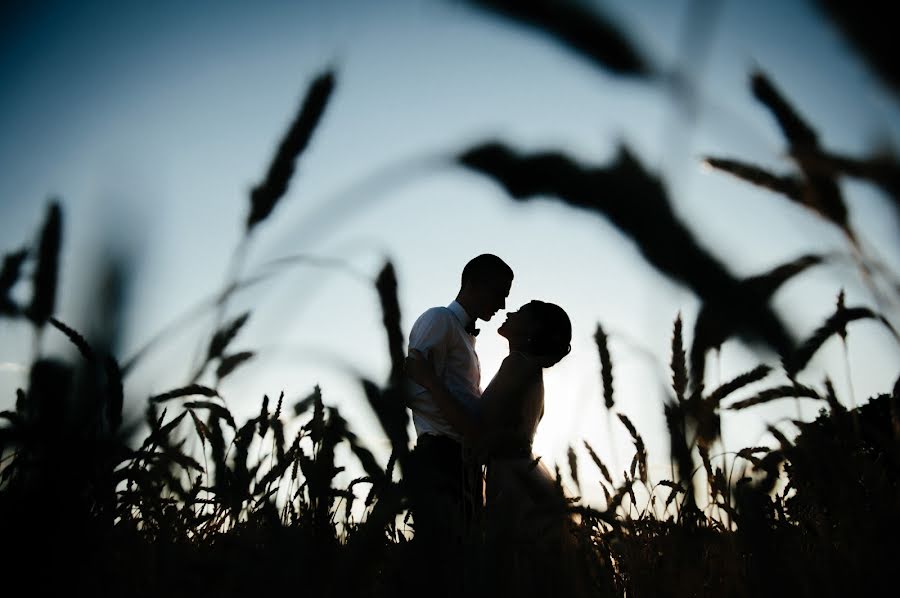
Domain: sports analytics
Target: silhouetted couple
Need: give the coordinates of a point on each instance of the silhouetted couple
(487, 515)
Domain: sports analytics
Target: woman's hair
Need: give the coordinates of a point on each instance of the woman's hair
(552, 334)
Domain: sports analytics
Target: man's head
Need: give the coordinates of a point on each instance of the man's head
(485, 285)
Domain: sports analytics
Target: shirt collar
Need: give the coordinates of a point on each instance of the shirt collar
(460, 312)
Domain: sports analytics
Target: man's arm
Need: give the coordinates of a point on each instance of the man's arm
(505, 393)
(420, 367)
(429, 335)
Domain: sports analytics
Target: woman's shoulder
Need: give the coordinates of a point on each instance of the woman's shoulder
(521, 362)
(535, 362)
(516, 370)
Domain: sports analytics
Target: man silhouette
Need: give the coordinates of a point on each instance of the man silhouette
(446, 485)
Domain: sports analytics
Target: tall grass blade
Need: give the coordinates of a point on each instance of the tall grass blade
(9, 276)
(573, 467)
(386, 285)
(679, 363)
(641, 454)
(316, 425)
(278, 430)
(263, 419)
(783, 442)
(230, 362)
(596, 459)
(797, 132)
(200, 427)
(738, 382)
(43, 300)
(834, 325)
(778, 392)
(223, 337)
(880, 169)
(870, 32)
(265, 196)
(160, 433)
(79, 341)
(675, 487)
(216, 411)
(788, 186)
(831, 397)
(579, 28)
(392, 414)
(185, 391)
(678, 446)
(718, 321)
(821, 192)
(606, 374)
(303, 405)
(749, 453)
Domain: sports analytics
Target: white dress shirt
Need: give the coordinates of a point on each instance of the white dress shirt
(440, 332)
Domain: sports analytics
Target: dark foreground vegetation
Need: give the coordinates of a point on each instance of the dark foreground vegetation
(83, 505)
(207, 505)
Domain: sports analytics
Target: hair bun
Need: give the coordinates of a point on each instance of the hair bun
(552, 339)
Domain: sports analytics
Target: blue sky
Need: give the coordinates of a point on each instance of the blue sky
(151, 122)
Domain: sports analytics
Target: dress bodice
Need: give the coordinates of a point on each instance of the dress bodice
(513, 405)
(526, 512)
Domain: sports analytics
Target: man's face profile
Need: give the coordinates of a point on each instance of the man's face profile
(492, 295)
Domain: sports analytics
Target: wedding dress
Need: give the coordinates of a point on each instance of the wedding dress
(528, 530)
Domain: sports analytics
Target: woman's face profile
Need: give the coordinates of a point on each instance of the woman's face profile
(519, 324)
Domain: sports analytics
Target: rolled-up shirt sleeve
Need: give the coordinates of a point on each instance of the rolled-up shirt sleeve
(430, 336)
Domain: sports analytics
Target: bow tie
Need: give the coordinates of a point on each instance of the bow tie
(470, 328)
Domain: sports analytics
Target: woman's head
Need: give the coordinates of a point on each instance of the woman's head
(539, 329)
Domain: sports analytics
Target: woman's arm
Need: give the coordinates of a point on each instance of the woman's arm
(481, 427)
(466, 422)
